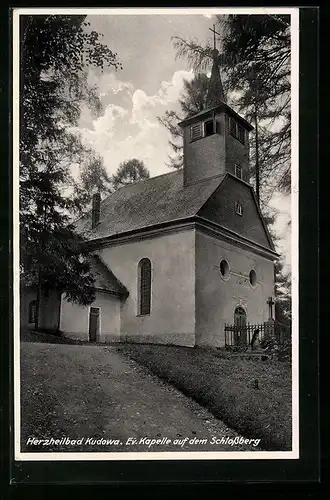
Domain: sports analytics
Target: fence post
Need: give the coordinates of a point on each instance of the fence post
(269, 328)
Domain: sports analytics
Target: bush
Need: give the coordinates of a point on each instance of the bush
(280, 351)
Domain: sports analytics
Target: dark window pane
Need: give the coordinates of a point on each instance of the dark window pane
(241, 134)
(208, 128)
(145, 286)
(232, 126)
(32, 311)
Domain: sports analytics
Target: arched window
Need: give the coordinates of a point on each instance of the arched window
(253, 278)
(144, 286)
(224, 269)
(240, 335)
(32, 311)
(239, 316)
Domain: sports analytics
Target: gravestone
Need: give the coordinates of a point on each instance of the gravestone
(255, 342)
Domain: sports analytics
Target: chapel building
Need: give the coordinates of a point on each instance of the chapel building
(177, 256)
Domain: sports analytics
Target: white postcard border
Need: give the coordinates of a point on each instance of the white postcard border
(232, 455)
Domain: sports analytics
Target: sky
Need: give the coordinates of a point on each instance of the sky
(149, 84)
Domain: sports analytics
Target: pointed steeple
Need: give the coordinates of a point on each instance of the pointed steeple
(215, 94)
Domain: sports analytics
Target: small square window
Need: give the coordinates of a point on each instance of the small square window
(238, 171)
(238, 208)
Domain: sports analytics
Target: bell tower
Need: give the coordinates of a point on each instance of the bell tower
(215, 140)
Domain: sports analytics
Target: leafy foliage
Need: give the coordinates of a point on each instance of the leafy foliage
(92, 178)
(56, 52)
(129, 171)
(257, 58)
(279, 351)
(282, 278)
(283, 293)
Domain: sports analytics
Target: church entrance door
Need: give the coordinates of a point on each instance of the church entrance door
(94, 324)
(240, 326)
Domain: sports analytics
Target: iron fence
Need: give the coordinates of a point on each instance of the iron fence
(243, 336)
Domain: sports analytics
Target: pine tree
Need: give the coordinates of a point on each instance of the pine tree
(128, 172)
(283, 298)
(56, 52)
(92, 178)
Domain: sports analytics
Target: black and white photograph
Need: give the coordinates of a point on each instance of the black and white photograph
(155, 188)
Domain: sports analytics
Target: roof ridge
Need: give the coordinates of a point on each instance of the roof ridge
(88, 212)
(147, 179)
(100, 260)
(163, 198)
(130, 184)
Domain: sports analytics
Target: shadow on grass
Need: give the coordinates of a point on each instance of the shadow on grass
(53, 338)
(48, 338)
(227, 387)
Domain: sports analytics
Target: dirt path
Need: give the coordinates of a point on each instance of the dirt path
(90, 393)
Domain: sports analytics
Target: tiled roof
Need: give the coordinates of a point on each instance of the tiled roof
(147, 203)
(105, 279)
(103, 276)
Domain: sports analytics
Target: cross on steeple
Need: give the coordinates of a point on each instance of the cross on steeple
(270, 303)
(214, 39)
(215, 93)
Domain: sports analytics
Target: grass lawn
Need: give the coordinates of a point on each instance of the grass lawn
(227, 387)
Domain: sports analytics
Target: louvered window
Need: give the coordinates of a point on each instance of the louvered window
(238, 171)
(241, 134)
(196, 131)
(144, 286)
(236, 130)
(232, 127)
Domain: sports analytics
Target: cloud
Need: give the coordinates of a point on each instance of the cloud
(100, 132)
(129, 128)
(108, 84)
(145, 107)
(170, 91)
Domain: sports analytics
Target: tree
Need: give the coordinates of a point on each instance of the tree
(283, 304)
(92, 178)
(128, 172)
(193, 100)
(56, 52)
(282, 278)
(256, 64)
